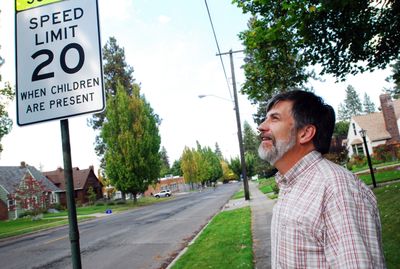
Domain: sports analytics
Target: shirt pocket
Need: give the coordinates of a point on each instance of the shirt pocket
(298, 236)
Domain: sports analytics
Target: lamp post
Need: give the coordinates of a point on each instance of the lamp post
(242, 158)
(363, 135)
(216, 96)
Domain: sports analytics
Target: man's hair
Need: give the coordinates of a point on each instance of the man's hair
(310, 109)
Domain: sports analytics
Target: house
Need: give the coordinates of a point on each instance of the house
(172, 183)
(381, 127)
(11, 178)
(83, 180)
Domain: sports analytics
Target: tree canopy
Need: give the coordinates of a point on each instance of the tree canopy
(132, 142)
(201, 165)
(368, 105)
(116, 70)
(351, 106)
(165, 169)
(343, 37)
(6, 95)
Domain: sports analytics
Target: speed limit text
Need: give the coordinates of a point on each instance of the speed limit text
(62, 33)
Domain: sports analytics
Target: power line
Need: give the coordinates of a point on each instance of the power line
(219, 51)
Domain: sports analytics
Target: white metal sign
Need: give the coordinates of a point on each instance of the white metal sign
(58, 60)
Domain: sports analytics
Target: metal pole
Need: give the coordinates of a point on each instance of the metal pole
(73, 223)
(369, 162)
(242, 159)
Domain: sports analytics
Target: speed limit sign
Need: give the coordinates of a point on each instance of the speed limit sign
(58, 60)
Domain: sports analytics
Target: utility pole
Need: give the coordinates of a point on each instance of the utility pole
(239, 127)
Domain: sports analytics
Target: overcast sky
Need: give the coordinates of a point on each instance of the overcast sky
(171, 47)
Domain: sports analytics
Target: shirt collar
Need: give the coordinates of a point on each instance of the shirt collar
(300, 167)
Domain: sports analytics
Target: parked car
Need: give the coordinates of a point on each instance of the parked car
(163, 193)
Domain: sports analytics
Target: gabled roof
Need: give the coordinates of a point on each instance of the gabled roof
(11, 176)
(374, 123)
(80, 177)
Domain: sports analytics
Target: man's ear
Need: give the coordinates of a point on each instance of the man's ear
(306, 134)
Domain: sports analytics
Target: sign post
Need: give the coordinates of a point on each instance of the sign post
(59, 74)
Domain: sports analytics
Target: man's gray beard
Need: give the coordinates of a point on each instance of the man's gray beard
(279, 148)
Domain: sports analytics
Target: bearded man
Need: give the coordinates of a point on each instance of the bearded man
(325, 217)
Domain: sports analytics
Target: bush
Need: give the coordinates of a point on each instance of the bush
(275, 188)
(121, 202)
(356, 161)
(33, 214)
(387, 152)
(58, 207)
(111, 203)
(99, 204)
(78, 203)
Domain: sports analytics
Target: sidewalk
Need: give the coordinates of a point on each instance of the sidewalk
(261, 214)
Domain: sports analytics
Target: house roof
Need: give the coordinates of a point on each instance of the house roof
(80, 177)
(11, 176)
(374, 123)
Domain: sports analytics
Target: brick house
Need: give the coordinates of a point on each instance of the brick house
(83, 180)
(381, 127)
(173, 183)
(11, 178)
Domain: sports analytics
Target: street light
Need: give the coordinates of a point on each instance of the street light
(241, 148)
(216, 96)
(363, 135)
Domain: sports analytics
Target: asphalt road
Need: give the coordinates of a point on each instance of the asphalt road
(148, 237)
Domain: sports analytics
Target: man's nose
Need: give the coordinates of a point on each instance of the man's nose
(263, 126)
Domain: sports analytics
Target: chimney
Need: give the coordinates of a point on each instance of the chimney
(23, 164)
(390, 118)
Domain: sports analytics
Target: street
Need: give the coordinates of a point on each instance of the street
(143, 238)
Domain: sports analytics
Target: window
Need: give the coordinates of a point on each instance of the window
(358, 149)
(11, 203)
(354, 129)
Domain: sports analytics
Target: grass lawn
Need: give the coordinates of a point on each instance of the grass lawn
(366, 167)
(266, 186)
(226, 243)
(26, 225)
(238, 195)
(389, 207)
(381, 176)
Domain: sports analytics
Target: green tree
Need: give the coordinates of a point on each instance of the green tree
(272, 64)
(395, 80)
(91, 195)
(208, 165)
(352, 105)
(255, 165)
(7, 95)
(218, 151)
(227, 173)
(189, 166)
(132, 141)
(251, 160)
(176, 168)
(116, 71)
(213, 163)
(250, 139)
(341, 128)
(236, 166)
(369, 106)
(284, 38)
(165, 169)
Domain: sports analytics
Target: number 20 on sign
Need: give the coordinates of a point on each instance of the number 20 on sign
(59, 69)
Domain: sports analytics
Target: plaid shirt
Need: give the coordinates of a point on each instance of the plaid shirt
(325, 217)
